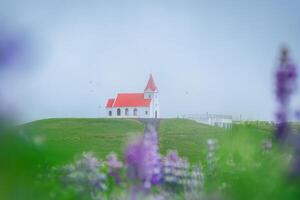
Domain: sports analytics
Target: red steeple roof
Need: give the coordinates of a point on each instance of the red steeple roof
(151, 85)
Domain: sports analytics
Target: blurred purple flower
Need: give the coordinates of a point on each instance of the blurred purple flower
(143, 160)
(88, 162)
(85, 176)
(173, 155)
(286, 77)
(178, 172)
(11, 49)
(297, 114)
(114, 167)
(113, 162)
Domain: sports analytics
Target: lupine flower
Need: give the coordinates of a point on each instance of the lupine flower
(143, 160)
(173, 156)
(155, 163)
(114, 166)
(88, 162)
(194, 186)
(85, 176)
(113, 162)
(211, 145)
(286, 76)
(177, 171)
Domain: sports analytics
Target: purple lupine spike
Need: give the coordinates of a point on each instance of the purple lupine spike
(155, 161)
(143, 160)
(89, 162)
(176, 170)
(113, 162)
(85, 176)
(286, 76)
(114, 167)
(173, 155)
(134, 157)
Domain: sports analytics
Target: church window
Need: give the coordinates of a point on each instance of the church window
(119, 112)
(126, 112)
(110, 113)
(135, 112)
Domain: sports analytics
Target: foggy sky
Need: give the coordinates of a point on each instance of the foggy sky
(205, 56)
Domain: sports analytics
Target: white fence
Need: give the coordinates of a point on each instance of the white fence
(222, 121)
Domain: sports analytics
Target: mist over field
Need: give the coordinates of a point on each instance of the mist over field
(211, 56)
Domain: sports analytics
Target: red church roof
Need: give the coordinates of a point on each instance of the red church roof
(110, 103)
(151, 85)
(133, 99)
(129, 100)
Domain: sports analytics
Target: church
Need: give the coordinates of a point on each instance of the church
(135, 105)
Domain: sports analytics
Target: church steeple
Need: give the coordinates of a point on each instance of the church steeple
(151, 87)
(151, 92)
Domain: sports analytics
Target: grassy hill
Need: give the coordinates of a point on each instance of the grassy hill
(67, 137)
(188, 137)
(240, 162)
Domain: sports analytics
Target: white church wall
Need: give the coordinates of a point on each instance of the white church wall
(154, 106)
(142, 112)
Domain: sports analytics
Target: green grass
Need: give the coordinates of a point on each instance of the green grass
(68, 137)
(71, 136)
(188, 137)
(242, 170)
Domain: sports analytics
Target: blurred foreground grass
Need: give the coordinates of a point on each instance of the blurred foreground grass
(242, 169)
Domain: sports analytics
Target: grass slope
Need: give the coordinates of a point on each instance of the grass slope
(67, 137)
(70, 136)
(188, 137)
(241, 170)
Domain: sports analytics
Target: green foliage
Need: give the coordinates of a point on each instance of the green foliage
(245, 171)
(25, 171)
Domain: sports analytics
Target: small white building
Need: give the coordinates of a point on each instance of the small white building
(222, 121)
(135, 105)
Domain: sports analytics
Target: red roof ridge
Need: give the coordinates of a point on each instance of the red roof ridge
(130, 93)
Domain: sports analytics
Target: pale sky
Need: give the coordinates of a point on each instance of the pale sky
(205, 56)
